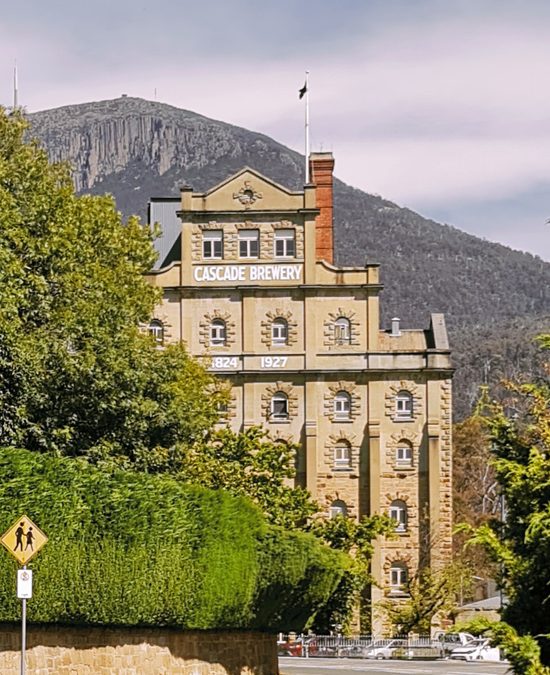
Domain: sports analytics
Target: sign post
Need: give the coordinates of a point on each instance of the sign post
(23, 540)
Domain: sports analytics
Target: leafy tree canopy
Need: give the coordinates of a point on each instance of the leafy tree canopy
(77, 377)
(520, 437)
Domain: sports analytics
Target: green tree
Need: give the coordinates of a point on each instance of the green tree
(77, 377)
(522, 651)
(355, 537)
(428, 593)
(251, 464)
(520, 436)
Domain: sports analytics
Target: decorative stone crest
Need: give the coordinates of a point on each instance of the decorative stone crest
(247, 195)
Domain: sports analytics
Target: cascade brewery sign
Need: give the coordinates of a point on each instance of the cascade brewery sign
(247, 273)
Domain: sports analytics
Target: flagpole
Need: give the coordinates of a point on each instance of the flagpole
(307, 127)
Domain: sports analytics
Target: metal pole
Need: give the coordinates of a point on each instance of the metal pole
(23, 632)
(307, 127)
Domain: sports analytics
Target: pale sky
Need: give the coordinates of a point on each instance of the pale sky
(442, 106)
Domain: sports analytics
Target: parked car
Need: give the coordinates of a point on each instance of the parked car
(476, 650)
(386, 649)
(298, 647)
(450, 641)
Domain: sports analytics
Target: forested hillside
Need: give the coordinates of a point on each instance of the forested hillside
(493, 297)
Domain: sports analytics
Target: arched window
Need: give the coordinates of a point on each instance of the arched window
(398, 512)
(218, 333)
(338, 508)
(156, 330)
(404, 404)
(398, 577)
(279, 332)
(403, 454)
(279, 406)
(342, 455)
(342, 405)
(342, 331)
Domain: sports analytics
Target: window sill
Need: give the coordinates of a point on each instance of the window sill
(335, 418)
(395, 593)
(279, 420)
(342, 468)
(405, 468)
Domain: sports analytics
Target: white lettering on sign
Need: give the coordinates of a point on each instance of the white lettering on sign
(247, 273)
(273, 361)
(225, 362)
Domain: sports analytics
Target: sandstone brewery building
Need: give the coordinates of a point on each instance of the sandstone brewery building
(248, 279)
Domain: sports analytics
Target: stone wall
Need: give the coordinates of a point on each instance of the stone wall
(66, 650)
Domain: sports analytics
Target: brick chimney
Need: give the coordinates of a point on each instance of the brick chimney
(321, 166)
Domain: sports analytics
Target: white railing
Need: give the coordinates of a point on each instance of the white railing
(363, 646)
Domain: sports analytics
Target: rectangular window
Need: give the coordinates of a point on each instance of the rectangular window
(249, 243)
(403, 455)
(342, 456)
(285, 244)
(212, 244)
(398, 577)
(279, 407)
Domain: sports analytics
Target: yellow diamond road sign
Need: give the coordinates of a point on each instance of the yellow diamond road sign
(24, 539)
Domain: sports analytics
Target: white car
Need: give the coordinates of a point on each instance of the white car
(476, 650)
(384, 649)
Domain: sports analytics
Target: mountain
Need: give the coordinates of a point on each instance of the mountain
(136, 149)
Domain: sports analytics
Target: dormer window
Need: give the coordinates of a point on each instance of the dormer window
(212, 244)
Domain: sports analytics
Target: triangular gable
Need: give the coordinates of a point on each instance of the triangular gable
(248, 190)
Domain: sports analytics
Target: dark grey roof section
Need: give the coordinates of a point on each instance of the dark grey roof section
(439, 332)
(163, 210)
(494, 603)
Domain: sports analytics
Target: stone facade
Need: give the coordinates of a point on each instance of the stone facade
(70, 650)
(303, 349)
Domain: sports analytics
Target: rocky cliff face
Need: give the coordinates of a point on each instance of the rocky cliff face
(137, 149)
(105, 138)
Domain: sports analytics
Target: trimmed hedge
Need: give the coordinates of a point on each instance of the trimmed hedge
(133, 549)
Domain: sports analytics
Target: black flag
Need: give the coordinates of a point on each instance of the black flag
(303, 90)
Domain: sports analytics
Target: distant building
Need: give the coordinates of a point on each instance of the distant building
(248, 279)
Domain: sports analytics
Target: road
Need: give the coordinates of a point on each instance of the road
(320, 666)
